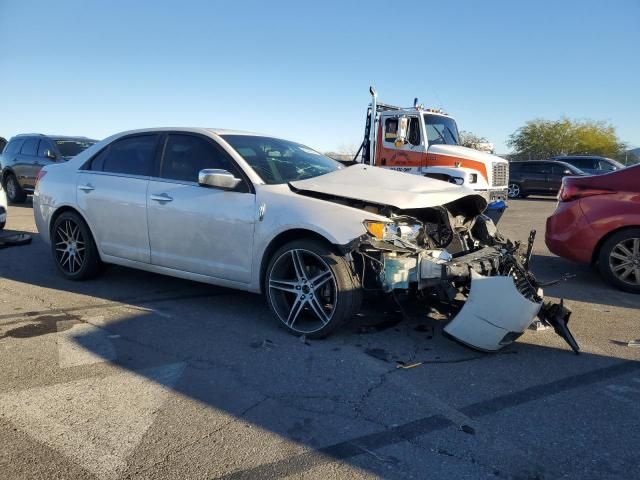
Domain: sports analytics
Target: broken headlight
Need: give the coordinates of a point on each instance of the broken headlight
(391, 231)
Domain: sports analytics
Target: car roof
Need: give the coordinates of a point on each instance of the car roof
(57, 137)
(555, 162)
(215, 131)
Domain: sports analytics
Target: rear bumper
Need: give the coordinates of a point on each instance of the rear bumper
(569, 235)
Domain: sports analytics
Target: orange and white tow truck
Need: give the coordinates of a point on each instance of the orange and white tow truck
(425, 141)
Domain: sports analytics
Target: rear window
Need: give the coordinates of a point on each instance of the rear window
(30, 146)
(14, 146)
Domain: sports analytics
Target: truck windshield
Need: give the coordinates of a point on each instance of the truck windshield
(441, 130)
(280, 161)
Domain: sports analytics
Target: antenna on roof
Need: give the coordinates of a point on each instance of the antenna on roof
(415, 102)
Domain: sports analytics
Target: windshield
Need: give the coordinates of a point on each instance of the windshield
(280, 161)
(441, 130)
(70, 147)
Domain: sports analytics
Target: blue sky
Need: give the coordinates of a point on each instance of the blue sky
(302, 69)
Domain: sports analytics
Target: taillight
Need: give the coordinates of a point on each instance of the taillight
(40, 176)
(570, 191)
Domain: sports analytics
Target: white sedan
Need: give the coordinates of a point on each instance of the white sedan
(268, 215)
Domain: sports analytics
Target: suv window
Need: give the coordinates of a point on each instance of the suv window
(185, 155)
(559, 169)
(607, 166)
(128, 156)
(43, 147)
(30, 146)
(588, 163)
(14, 146)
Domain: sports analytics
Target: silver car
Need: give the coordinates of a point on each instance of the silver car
(268, 215)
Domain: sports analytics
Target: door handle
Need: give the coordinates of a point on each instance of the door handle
(162, 198)
(86, 188)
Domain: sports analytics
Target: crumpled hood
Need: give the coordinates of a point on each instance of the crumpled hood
(385, 187)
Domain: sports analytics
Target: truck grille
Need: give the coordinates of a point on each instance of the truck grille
(500, 174)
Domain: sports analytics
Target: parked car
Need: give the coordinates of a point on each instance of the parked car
(268, 215)
(591, 164)
(598, 221)
(3, 208)
(539, 177)
(3, 143)
(26, 154)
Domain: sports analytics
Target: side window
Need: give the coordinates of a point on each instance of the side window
(544, 168)
(606, 166)
(43, 147)
(414, 131)
(587, 163)
(531, 168)
(129, 156)
(390, 130)
(14, 146)
(559, 169)
(185, 155)
(30, 147)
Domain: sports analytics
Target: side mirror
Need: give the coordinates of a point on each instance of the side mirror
(213, 177)
(49, 154)
(403, 128)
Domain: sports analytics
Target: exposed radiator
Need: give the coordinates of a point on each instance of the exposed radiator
(500, 174)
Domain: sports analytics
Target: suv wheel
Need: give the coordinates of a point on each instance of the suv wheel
(619, 260)
(515, 191)
(15, 194)
(310, 289)
(73, 247)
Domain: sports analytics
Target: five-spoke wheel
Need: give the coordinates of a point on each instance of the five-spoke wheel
(513, 190)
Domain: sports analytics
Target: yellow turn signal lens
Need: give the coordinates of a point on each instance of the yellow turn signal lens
(376, 229)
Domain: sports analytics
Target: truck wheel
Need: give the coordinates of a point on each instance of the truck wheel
(15, 194)
(73, 248)
(310, 289)
(515, 191)
(619, 260)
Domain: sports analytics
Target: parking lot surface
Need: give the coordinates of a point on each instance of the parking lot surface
(136, 375)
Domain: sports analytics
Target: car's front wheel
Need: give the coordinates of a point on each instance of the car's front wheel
(619, 260)
(15, 193)
(73, 248)
(311, 289)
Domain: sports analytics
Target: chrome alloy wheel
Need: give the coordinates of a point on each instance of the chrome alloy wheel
(12, 190)
(303, 291)
(70, 246)
(513, 190)
(624, 261)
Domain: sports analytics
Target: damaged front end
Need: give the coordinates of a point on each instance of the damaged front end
(452, 252)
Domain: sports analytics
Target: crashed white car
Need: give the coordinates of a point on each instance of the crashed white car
(3, 207)
(268, 215)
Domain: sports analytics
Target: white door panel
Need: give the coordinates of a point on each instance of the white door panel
(116, 208)
(201, 230)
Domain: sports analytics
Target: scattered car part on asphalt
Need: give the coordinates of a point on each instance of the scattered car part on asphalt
(319, 234)
(14, 240)
(597, 221)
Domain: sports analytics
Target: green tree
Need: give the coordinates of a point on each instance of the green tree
(471, 140)
(546, 138)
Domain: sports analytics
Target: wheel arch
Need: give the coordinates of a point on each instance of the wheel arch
(5, 171)
(286, 237)
(596, 251)
(68, 208)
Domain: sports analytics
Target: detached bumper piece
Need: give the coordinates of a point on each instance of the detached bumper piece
(494, 315)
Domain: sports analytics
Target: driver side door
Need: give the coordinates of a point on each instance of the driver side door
(194, 228)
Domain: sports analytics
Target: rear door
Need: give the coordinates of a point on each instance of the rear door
(112, 194)
(194, 228)
(25, 166)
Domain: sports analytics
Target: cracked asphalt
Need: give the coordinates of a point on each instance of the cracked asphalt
(135, 376)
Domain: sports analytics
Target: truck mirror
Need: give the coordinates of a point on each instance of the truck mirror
(403, 127)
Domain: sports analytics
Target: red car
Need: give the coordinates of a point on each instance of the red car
(598, 221)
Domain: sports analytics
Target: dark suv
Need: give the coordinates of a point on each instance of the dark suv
(591, 164)
(25, 155)
(539, 177)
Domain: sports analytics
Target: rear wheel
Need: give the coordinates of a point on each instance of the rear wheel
(310, 289)
(15, 193)
(619, 260)
(73, 247)
(514, 190)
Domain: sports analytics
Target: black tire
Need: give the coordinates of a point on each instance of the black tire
(619, 260)
(339, 294)
(2, 224)
(15, 193)
(81, 259)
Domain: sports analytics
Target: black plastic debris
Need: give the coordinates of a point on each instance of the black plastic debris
(14, 240)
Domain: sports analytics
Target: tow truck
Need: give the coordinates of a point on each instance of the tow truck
(425, 141)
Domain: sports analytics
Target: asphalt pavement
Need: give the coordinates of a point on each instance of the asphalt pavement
(137, 375)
